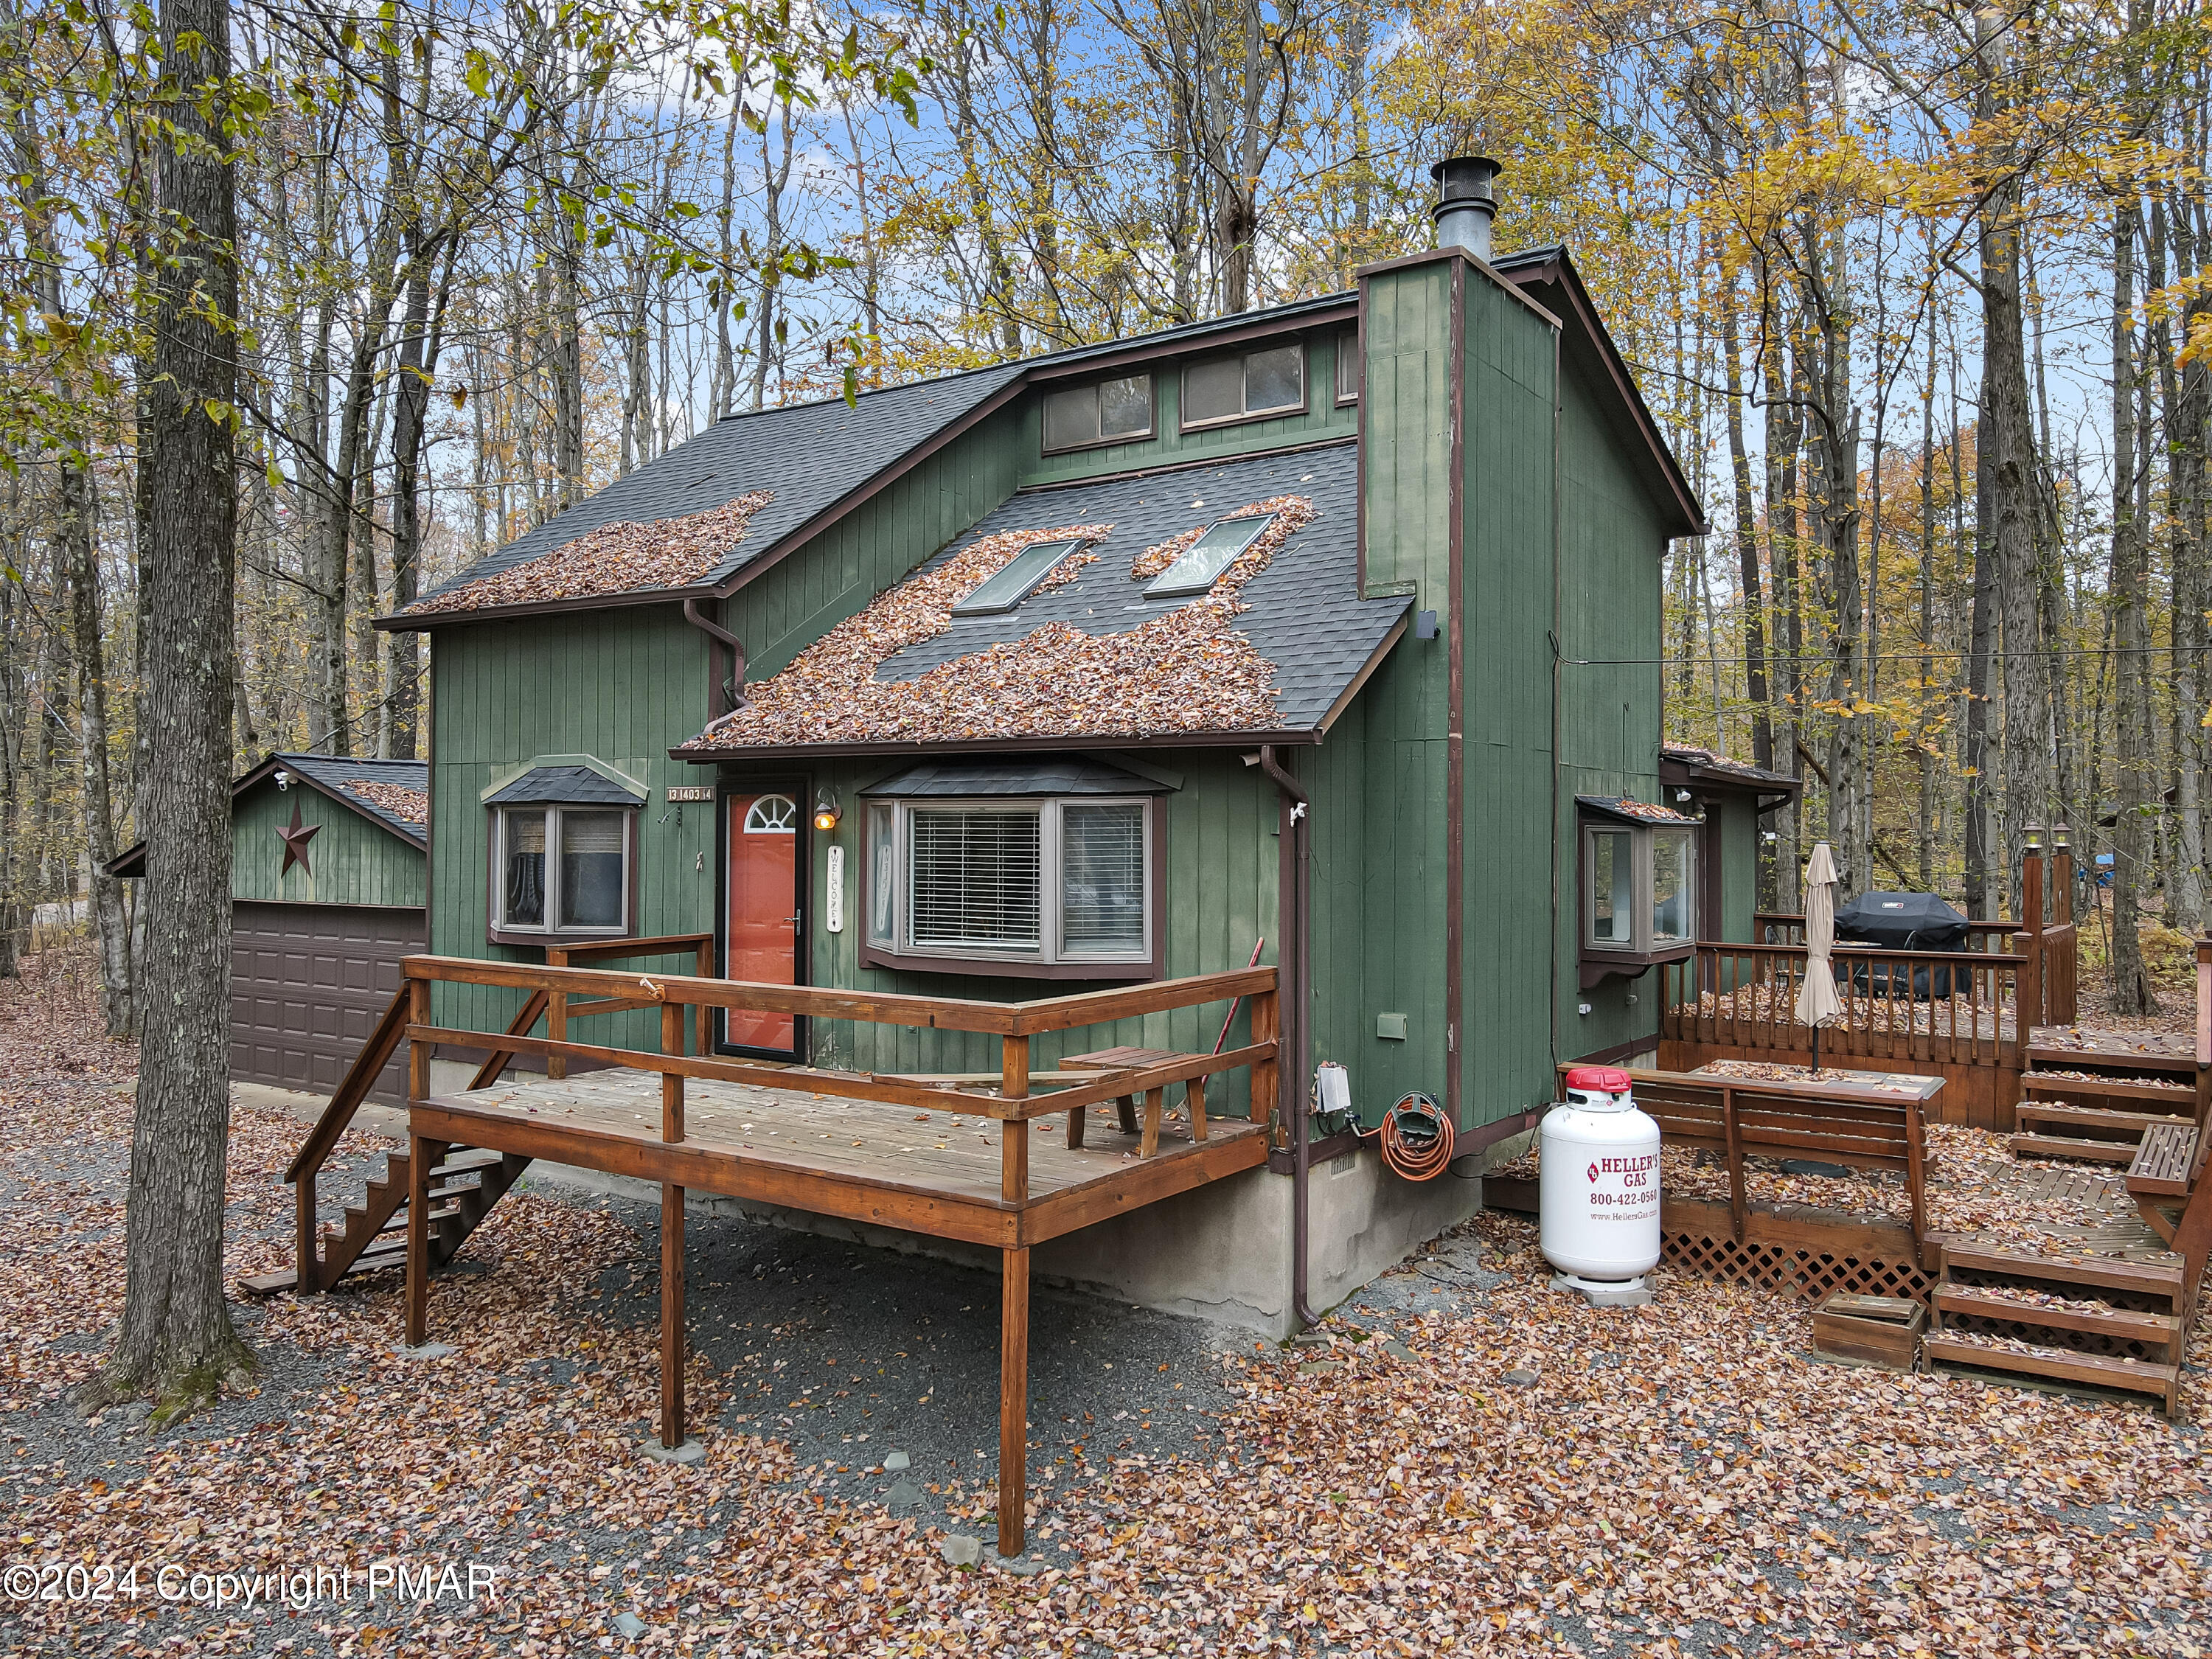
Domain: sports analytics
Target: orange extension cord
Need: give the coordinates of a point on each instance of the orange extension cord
(1416, 1138)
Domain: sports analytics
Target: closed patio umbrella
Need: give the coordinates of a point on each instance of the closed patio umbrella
(1817, 1002)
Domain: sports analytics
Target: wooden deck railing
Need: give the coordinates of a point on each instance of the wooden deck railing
(2045, 942)
(1013, 1102)
(1929, 1005)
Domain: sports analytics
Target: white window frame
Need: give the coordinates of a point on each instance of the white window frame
(1348, 353)
(1644, 940)
(549, 928)
(1052, 949)
(1246, 412)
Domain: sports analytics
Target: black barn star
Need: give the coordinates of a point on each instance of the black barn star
(295, 837)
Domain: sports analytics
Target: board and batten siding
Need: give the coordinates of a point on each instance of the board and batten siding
(350, 860)
(1378, 781)
(1612, 536)
(1506, 576)
(622, 686)
(1220, 896)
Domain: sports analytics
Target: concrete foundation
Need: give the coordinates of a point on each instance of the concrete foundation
(1221, 1252)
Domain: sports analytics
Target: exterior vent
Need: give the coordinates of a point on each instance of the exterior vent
(1465, 203)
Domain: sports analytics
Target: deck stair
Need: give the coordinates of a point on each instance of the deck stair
(2094, 1107)
(463, 1186)
(2099, 1322)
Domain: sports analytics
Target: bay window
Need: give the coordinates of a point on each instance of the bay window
(1639, 885)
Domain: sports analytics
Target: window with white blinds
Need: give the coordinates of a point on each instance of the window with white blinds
(1047, 881)
(975, 879)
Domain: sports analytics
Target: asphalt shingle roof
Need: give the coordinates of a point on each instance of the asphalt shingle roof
(808, 455)
(336, 774)
(1304, 615)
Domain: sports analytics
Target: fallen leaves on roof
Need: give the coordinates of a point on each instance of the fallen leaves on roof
(395, 800)
(614, 558)
(1187, 670)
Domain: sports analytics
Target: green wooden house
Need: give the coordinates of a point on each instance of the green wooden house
(328, 883)
(1329, 630)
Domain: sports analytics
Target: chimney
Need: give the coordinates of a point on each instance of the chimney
(1465, 206)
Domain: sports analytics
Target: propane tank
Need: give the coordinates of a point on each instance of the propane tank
(1600, 1188)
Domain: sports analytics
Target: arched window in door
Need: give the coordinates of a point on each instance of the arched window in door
(772, 815)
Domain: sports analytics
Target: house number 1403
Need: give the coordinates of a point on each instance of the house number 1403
(833, 900)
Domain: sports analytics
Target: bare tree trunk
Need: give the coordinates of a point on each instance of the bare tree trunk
(176, 1341)
(76, 565)
(1747, 546)
(2182, 386)
(2130, 575)
(1783, 433)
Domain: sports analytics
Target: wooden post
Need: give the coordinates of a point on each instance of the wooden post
(672, 1316)
(421, 1155)
(2028, 941)
(1013, 1396)
(418, 1053)
(1014, 1134)
(1194, 1099)
(1916, 1178)
(1267, 1027)
(556, 1018)
(671, 1084)
(307, 1277)
(2061, 876)
(699, 1013)
(1155, 1101)
(1739, 1195)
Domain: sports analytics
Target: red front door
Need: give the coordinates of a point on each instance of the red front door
(764, 912)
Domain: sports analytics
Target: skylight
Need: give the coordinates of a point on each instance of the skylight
(1015, 578)
(1203, 561)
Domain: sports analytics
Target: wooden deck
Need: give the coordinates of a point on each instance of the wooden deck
(1005, 1159)
(860, 1160)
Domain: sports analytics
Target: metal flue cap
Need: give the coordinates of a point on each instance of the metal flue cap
(1465, 202)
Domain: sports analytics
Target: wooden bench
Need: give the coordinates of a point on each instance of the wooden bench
(1858, 1127)
(1133, 1060)
(2166, 1181)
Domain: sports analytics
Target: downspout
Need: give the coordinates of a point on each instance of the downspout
(732, 691)
(1291, 1030)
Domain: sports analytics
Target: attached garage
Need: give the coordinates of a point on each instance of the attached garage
(327, 892)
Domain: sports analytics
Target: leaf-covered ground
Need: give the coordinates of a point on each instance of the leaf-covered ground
(1465, 1462)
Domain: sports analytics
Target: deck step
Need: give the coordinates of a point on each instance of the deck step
(1966, 1301)
(2091, 1059)
(2182, 1096)
(2136, 1376)
(2081, 1118)
(2086, 1151)
(461, 1160)
(2154, 1278)
(368, 1262)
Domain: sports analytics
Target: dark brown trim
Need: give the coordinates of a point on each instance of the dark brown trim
(1161, 350)
(1188, 465)
(1431, 256)
(1556, 268)
(545, 938)
(1454, 704)
(1366, 669)
(1484, 1136)
(1053, 743)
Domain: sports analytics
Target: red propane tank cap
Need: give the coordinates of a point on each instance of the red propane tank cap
(1608, 1079)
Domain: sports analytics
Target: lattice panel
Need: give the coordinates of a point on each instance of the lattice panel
(1810, 1276)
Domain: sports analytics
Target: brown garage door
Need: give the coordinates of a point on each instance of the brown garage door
(307, 984)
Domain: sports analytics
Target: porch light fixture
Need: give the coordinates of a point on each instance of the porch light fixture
(283, 779)
(826, 809)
